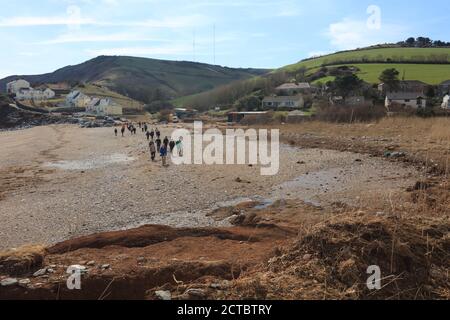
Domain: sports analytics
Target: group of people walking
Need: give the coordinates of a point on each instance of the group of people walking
(156, 144)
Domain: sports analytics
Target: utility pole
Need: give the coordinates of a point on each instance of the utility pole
(193, 47)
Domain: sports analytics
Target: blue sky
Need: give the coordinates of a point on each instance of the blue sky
(40, 36)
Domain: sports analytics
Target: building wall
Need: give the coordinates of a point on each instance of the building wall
(288, 103)
(15, 86)
(110, 110)
(410, 103)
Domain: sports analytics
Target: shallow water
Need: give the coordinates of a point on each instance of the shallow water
(90, 164)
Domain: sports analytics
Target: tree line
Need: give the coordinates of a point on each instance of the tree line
(423, 42)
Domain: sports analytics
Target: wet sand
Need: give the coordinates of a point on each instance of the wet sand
(59, 182)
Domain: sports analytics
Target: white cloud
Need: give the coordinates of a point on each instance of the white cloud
(89, 37)
(43, 21)
(351, 34)
(168, 22)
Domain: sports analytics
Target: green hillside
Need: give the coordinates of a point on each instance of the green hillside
(371, 54)
(144, 79)
(430, 65)
(429, 73)
(426, 64)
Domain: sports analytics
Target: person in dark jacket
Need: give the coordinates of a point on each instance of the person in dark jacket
(158, 144)
(163, 153)
(171, 145)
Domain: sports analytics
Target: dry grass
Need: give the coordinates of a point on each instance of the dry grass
(22, 260)
(330, 261)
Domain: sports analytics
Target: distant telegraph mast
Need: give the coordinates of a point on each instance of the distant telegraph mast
(214, 44)
(193, 47)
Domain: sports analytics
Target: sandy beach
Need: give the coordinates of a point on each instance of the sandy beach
(60, 182)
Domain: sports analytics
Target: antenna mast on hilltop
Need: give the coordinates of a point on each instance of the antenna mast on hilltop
(214, 43)
(193, 46)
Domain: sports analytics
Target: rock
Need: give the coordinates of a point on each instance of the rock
(40, 272)
(105, 266)
(24, 282)
(220, 286)
(8, 282)
(394, 154)
(163, 295)
(238, 180)
(50, 270)
(237, 219)
(90, 263)
(196, 293)
(141, 260)
(358, 160)
(307, 257)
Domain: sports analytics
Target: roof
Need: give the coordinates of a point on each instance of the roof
(409, 82)
(293, 86)
(404, 95)
(76, 95)
(14, 81)
(283, 98)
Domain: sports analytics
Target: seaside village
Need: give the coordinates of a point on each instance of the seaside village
(295, 99)
(62, 96)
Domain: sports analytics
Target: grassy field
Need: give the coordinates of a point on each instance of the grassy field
(370, 54)
(429, 73)
(324, 80)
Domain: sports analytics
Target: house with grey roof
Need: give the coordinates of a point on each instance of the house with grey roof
(290, 89)
(444, 87)
(407, 99)
(405, 86)
(283, 102)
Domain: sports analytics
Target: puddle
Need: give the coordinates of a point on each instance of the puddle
(90, 164)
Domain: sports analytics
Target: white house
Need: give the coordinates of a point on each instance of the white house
(48, 93)
(445, 102)
(104, 107)
(410, 99)
(35, 95)
(24, 94)
(78, 99)
(15, 86)
(24, 91)
(290, 102)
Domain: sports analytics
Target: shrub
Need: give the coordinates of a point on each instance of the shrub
(349, 114)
